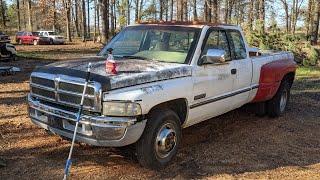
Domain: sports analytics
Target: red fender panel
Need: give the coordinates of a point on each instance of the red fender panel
(270, 78)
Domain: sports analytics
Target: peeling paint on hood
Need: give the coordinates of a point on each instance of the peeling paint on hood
(130, 71)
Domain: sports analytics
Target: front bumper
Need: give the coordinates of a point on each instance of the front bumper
(56, 40)
(95, 130)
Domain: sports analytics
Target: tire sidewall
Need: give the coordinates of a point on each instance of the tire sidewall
(146, 142)
(274, 108)
(167, 159)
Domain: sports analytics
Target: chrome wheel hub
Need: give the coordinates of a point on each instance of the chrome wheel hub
(166, 140)
(283, 100)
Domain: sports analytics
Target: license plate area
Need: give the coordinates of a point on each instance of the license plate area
(82, 128)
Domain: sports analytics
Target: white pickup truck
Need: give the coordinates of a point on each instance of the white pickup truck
(165, 76)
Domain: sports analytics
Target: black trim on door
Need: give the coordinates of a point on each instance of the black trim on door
(223, 97)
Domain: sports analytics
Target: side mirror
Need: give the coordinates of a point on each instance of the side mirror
(214, 56)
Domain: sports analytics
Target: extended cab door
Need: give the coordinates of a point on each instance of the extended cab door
(243, 68)
(213, 83)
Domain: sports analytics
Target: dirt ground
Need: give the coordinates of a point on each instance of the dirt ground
(237, 145)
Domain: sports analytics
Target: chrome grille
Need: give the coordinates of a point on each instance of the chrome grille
(43, 93)
(76, 100)
(43, 82)
(65, 90)
(75, 88)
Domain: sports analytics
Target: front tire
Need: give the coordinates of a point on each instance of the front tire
(51, 42)
(20, 42)
(160, 140)
(278, 104)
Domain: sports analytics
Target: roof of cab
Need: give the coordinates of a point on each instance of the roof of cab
(179, 23)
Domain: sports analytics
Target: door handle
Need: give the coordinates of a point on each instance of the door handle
(233, 71)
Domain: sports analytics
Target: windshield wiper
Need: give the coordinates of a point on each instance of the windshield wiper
(135, 57)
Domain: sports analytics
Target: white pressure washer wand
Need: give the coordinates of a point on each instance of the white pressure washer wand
(68, 163)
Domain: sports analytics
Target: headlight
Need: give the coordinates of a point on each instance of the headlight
(121, 109)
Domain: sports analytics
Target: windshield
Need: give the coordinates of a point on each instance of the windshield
(52, 33)
(159, 43)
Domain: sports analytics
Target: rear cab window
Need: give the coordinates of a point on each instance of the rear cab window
(237, 45)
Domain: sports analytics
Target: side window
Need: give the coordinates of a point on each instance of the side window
(237, 45)
(217, 39)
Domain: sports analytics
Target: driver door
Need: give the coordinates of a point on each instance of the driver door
(213, 83)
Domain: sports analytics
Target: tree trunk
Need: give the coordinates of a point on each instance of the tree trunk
(293, 11)
(315, 28)
(178, 10)
(309, 14)
(250, 18)
(226, 5)
(98, 16)
(84, 27)
(104, 20)
(230, 8)
(140, 9)
(88, 14)
(18, 15)
(54, 15)
(161, 9)
(209, 10)
(112, 17)
(3, 14)
(205, 11)
(24, 14)
(128, 12)
(171, 10)
(286, 10)
(215, 11)
(257, 9)
(30, 16)
(136, 10)
(67, 4)
(296, 15)
(95, 20)
(167, 9)
(262, 13)
(115, 15)
(76, 19)
(185, 10)
(195, 15)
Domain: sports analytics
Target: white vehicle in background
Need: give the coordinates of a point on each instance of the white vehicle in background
(55, 38)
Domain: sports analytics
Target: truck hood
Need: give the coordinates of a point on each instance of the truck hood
(56, 36)
(130, 71)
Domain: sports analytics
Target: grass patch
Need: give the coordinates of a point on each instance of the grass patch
(36, 55)
(307, 79)
(308, 71)
(57, 54)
